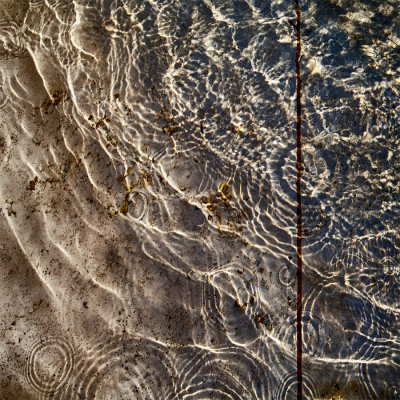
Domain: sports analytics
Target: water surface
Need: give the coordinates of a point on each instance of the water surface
(149, 206)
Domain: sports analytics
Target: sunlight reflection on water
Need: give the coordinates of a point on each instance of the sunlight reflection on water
(148, 196)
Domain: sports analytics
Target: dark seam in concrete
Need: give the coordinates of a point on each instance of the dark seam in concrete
(299, 222)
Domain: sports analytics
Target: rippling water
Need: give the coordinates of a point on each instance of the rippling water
(149, 205)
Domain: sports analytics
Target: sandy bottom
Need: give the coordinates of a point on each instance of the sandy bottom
(149, 207)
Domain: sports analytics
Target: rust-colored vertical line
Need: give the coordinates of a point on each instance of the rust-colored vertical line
(299, 307)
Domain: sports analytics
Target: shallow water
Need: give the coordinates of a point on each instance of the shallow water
(148, 199)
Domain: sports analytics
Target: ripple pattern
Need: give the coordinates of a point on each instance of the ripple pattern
(149, 206)
(123, 369)
(288, 387)
(49, 365)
